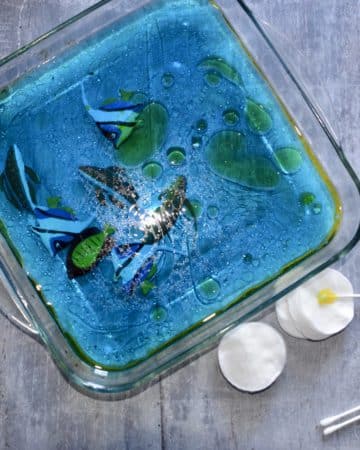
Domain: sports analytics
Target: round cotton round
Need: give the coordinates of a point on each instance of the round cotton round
(317, 321)
(284, 318)
(302, 324)
(252, 356)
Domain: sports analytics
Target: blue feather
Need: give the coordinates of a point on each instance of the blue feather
(58, 228)
(110, 118)
(127, 251)
(121, 105)
(15, 180)
(110, 131)
(140, 276)
(54, 242)
(45, 213)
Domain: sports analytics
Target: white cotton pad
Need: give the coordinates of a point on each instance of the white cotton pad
(284, 318)
(302, 324)
(252, 356)
(318, 321)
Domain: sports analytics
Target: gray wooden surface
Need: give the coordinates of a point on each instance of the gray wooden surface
(195, 408)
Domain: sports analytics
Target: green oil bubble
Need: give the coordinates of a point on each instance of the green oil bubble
(209, 289)
(167, 80)
(176, 156)
(289, 159)
(222, 67)
(4, 93)
(247, 258)
(212, 78)
(152, 170)
(205, 245)
(231, 117)
(158, 313)
(212, 211)
(201, 126)
(196, 142)
(139, 97)
(258, 119)
(306, 198)
(227, 156)
(316, 208)
(148, 136)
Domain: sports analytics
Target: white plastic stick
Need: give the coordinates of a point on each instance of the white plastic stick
(339, 426)
(330, 420)
(340, 296)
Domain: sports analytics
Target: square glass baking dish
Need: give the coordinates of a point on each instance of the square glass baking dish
(233, 232)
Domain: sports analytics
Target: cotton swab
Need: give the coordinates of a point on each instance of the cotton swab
(339, 426)
(328, 296)
(332, 419)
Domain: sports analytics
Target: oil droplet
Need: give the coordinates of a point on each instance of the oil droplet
(289, 159)
(231, 117)
(228, 157)
(221, 66)
(247, 258)
(307, 198)
(167, 80)
(248, 276)
(255, 262)
(212, 78)
(212, 211)
(194, 209)
(146, 138)
(201, 126)
(209, 290)
(152, 170)
(196, 142)
(205, 245)
(259, 120)
(4, 93)
(158, 313)
(176, 156)
(316, 208)
(139, 97)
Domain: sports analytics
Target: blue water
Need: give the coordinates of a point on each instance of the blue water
(245, 235)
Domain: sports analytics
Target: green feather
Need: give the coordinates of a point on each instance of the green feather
(53, 202)
(68, 209)
(126, 95)
(87, 252)
(147, 285)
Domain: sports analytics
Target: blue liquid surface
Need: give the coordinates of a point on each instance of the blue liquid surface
(245, 235)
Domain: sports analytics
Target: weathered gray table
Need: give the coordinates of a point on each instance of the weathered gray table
(195, 408)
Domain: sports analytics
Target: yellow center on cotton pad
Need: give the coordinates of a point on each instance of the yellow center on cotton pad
(326, 296)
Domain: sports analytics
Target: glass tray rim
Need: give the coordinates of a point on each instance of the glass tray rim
(96, 379)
